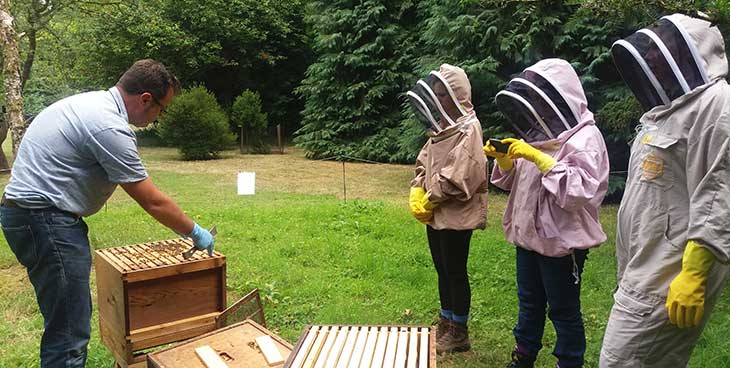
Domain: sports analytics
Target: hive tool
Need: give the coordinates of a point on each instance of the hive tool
(189, 253)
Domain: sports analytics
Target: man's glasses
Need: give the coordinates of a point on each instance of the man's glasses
(163, 109)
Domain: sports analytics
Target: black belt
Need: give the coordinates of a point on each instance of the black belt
(9, 203)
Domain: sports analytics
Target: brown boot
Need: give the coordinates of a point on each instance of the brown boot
(455, 340)
(442, 327)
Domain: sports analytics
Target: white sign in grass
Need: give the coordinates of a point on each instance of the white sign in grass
(246, 183)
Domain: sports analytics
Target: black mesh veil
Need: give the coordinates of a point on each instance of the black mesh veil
(434, 104)
(659, 63)
(534, 108)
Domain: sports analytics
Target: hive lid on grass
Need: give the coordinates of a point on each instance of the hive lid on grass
(235, 345)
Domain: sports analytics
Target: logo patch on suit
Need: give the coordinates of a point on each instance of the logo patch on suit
(652, 167)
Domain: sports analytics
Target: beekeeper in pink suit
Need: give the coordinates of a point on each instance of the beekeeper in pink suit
(673, 230)
(557, 176)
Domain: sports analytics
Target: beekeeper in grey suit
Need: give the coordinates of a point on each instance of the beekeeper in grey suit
(673, 230)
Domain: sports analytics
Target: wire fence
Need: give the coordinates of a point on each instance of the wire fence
(343, 159)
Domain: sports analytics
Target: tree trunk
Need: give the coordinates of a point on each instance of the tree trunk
(4, 165)
(242, 140)
(28, 64)
(11, 75)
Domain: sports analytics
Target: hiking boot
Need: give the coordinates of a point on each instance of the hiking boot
(456, 339)
(442, 327)
(521, 361)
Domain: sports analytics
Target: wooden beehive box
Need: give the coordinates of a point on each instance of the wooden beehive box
(234, 344)
(364, 347)
(148, 295)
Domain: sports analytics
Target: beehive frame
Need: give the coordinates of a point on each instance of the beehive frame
(364, 346)
(248, 307)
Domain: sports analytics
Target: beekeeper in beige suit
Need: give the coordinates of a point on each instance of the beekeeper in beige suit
(449, 192)
(673, 230)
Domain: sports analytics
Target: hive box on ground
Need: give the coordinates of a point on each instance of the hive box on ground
(148, 295)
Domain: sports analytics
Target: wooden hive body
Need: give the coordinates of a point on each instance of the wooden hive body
(148, 295)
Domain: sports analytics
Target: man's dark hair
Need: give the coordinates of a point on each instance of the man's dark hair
(151, 76)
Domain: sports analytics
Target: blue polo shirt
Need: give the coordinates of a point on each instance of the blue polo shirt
(74, 154)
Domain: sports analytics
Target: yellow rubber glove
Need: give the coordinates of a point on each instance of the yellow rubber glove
(505, 163)
(428, 205)
(522, 149)
(424, 217)
(686, 299)
(414, 200)
(415, 204)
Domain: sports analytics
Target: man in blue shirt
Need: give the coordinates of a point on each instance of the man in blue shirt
(69, 163)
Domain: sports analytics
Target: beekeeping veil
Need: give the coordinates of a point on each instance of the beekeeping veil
(543, 101)
(669, 59)
(442, 99)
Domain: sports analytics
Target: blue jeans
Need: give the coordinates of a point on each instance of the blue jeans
(53, 246)
(546, 281)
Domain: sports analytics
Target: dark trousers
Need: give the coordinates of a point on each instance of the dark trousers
(551, 282)
(54, 248)
(450, 251)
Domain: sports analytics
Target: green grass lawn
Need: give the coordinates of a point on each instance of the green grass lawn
(318, 259)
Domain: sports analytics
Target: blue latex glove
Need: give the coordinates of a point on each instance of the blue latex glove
(202, 239)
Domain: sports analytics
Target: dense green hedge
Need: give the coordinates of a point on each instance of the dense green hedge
(359, 56)
(352, 90)
(196, 125)
(368, 53)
